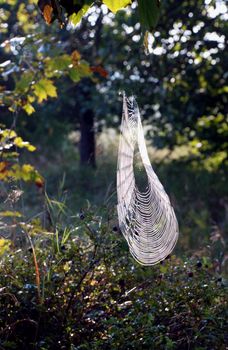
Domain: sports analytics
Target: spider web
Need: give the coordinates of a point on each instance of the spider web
(146, 219)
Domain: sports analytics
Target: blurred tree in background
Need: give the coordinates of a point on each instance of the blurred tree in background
(180, 84)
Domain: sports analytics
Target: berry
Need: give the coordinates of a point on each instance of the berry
(190, 274)
(39, 182)
(199, 264)
(82, 216)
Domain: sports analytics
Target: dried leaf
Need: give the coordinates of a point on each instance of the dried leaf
(100, 70)
(47, 13)
(75, 56)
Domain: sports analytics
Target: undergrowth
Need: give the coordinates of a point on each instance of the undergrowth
(75, 286)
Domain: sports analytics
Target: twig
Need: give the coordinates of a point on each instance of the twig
(77, 287)
(37, 272)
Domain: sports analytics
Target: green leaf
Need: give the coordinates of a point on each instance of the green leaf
(149, 11)
(23, 84)
(44, 88)
(81, 71)
(84, 69)
(59, 63)
(116, 5)
(163, 268)
(74, 74)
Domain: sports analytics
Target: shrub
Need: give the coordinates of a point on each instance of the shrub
(77, 287)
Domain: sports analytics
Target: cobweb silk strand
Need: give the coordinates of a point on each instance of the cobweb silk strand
(146, 219)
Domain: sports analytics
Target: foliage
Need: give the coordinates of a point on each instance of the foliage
(33, 74)
(115, 5)
(183, 78)
(149, 13)
(10, 169)
(33, 63)
(75, 10)
(93, 295)
(181, 84)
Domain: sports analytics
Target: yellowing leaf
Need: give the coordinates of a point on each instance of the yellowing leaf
(31, 148)
(21, 143)
(23, 16)
(10, 134)
(116, 5)
(27, 168)
(26, 172)
(40, 92)
(29, 109)
(4, 245)
(9, 213)
(67, 266)
(50, 88)
(30, 98)
(44, 88)
(76, 17)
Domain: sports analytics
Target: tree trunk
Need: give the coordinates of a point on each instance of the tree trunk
(87, 140)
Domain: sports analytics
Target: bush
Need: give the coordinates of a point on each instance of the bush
(77, 287)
